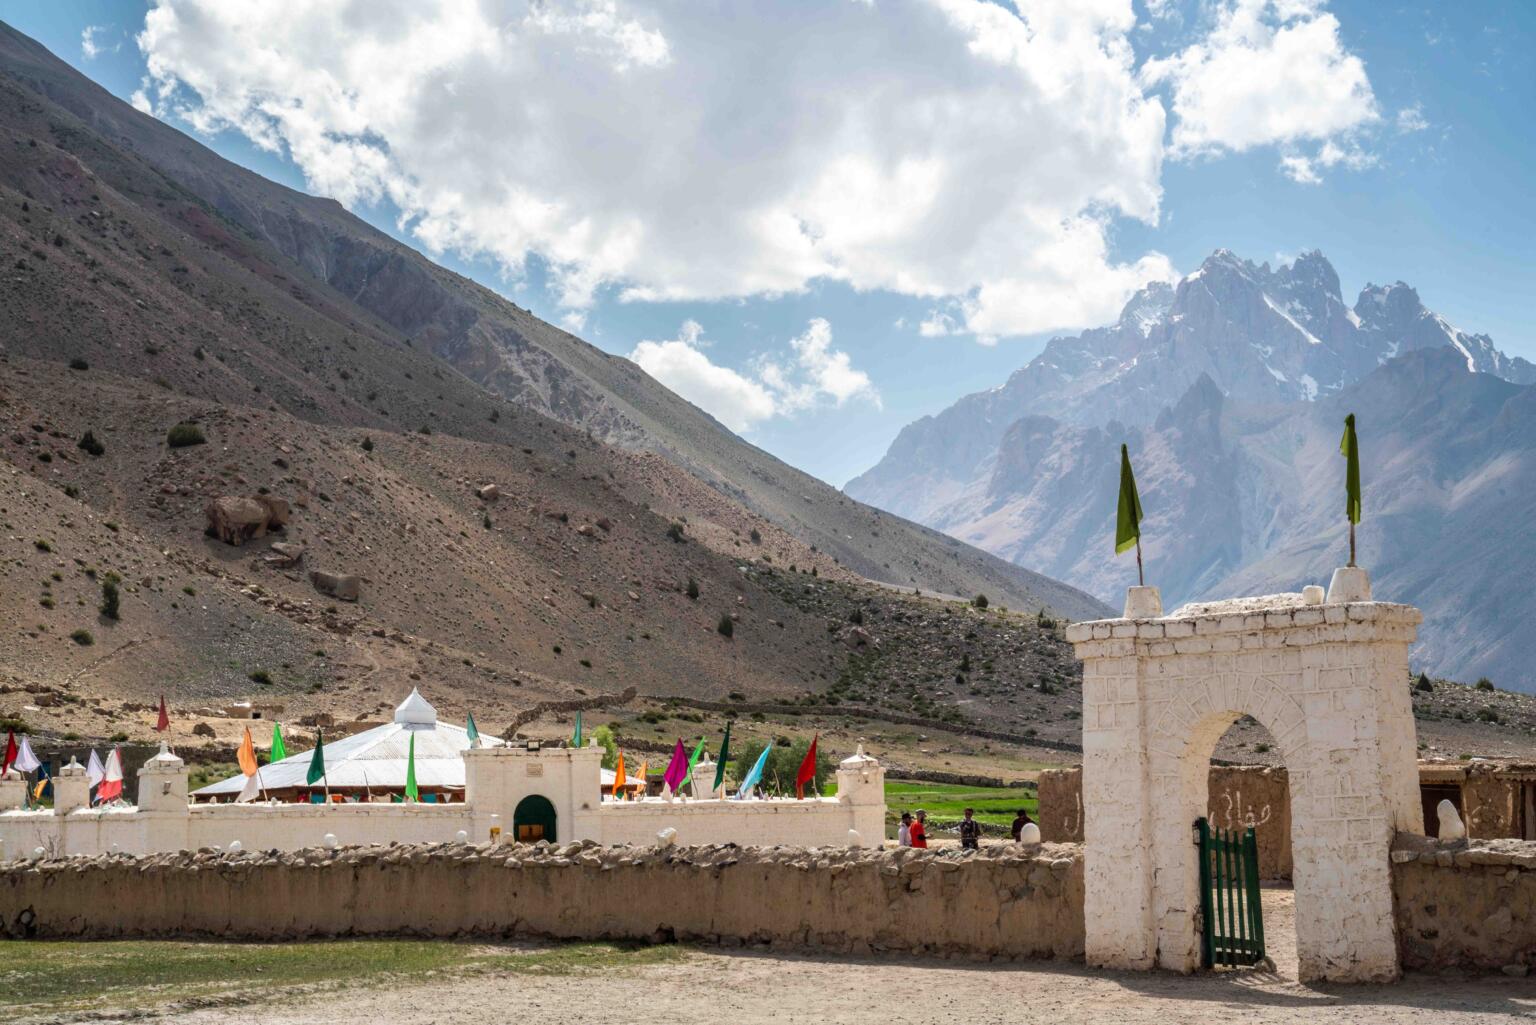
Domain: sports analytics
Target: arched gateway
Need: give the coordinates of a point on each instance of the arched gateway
(534, 820)
(1329, 679)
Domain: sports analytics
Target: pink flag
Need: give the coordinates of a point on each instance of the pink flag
(677, 768)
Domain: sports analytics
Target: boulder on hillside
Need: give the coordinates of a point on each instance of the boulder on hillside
(202, 729)
(488, 493)
(859, 639)
(346, 586)
(284, 554)
(235, 520)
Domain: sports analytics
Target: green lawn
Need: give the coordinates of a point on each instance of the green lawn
(946, 801)
(47, 977)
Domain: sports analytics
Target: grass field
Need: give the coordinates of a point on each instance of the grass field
(995, 806)
(44, 978)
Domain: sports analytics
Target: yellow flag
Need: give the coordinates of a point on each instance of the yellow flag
(37, 791)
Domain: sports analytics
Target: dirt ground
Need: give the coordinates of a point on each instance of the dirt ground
(744, 988)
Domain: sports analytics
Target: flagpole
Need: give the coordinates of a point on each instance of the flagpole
(1142, 580)
(1351, 542)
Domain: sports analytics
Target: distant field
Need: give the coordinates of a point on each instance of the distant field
(995, 806)
(44, 978)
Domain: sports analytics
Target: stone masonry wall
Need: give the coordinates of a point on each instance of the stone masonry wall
(1465, 904)
(1004, 902)
(1240, 796)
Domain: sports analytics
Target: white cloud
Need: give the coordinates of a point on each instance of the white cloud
(1269, 73)
(808, 374)
(1411, 119)
(938, 324)
(658, 151)
(91, 46)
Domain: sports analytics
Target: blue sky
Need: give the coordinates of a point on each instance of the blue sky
(599, 175)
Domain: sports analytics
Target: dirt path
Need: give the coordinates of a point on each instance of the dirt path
(745, 988)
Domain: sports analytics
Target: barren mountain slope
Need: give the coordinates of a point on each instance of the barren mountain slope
(332, 319)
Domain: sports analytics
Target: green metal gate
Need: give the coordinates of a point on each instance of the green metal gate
(1232, 930)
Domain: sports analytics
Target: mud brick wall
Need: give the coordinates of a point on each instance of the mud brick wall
(1467, 904)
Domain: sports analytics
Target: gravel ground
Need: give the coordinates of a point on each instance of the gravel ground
(744, 988)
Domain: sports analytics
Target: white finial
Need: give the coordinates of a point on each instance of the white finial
(1030, 834)
(461, 836)
(416, 710)
(1451, 826)
(235, 846)
(330, 840)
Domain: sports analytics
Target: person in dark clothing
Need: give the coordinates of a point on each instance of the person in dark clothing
(970, 831)
(1019, 822)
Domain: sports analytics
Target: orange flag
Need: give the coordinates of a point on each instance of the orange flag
(643, 784)
(618, 778)
(246, 756)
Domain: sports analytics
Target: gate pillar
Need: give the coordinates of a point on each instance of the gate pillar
(1330, 682)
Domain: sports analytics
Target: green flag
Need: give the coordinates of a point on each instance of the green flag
(1128, 519)
(725, 752)
(474, 734)
(1349, 447)
(316, 761)
(410, 771)
(693, 760)
(576, 737)
(279, 751)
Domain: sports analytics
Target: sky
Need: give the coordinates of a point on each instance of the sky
(820, 221)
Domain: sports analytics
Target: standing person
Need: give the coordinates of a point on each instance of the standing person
(919, 831)
(904, 830)
(1019, 822)
(970, 831)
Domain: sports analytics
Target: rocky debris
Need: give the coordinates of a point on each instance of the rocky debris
(488, 492)
(284, 554)
(236, 520)
(346, 586)
(587, 530)
(856, 638)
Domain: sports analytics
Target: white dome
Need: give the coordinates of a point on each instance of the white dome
(416, 711)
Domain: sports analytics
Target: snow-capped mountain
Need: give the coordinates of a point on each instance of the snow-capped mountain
(1223, 386)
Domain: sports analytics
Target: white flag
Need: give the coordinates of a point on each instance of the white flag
(251, 789)
(93, 769)
(114, 773)
(26, 760)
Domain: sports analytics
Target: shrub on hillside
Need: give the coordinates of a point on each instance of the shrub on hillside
(727, 627)
(109, 597)
(980, 601)
(185, 434)
(1484, 684)
(83, 638)
(693, 588)
(79, 364)
(90, 445)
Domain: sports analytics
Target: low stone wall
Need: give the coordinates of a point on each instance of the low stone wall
(1002, 902)
(1467, 904)
(1240, 796)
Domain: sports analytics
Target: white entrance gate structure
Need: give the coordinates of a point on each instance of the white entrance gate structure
(1328, 676)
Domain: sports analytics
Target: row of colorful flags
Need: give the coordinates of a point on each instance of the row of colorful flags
(680, 769)
(106, 777)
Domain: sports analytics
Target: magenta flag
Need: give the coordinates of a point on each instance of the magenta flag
(677, 768)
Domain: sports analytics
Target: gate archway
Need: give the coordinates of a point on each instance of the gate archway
(534, 820)
(1329, 682)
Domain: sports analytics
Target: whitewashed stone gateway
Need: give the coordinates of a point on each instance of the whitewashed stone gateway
(1329, 681)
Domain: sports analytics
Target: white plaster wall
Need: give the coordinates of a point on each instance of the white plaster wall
(1329, 683)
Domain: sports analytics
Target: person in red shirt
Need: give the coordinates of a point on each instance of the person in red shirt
(920, 830)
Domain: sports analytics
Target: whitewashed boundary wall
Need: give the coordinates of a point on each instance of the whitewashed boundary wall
(497, 780)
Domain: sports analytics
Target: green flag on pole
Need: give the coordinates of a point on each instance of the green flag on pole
(1349, 448)
(693, 760)
(1128, 517)
(576, 736)
(316, 761)
(725, 752)
(279, 750)
(410, 771)
(471, 730)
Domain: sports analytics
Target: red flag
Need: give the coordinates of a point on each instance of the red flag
(165, 717)
(111, 785)
(10, 753)
(807, 769)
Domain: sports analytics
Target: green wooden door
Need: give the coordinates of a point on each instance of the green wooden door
(534, 820)
(1232, 921)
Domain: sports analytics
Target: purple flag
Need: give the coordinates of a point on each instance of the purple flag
(677, 768)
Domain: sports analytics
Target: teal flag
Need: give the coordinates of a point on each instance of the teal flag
(576, 737)
(316, 761)
(755, 776)
(725, 752)
(474, 734)
(1128, 518)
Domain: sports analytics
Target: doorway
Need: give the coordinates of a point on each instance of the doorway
(534, 820)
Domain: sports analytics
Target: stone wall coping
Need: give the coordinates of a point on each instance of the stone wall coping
(1058, 857)
(1499, 853)
(1243, 618)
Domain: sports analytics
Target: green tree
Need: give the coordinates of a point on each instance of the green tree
(109, 597)
(604, 737)
(783, 764)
